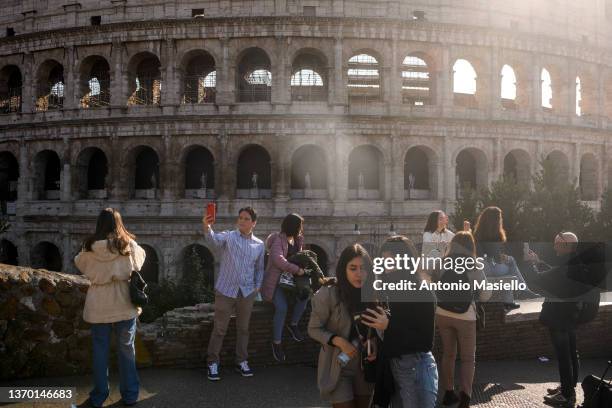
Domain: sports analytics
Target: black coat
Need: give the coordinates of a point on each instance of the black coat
(562, 286)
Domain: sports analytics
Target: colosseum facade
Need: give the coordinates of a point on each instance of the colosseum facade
(349, 112)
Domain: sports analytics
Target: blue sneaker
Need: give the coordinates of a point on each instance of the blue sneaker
(244, 370)
(213, 372)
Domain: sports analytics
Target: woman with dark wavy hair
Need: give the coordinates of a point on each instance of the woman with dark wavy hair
(344, 342)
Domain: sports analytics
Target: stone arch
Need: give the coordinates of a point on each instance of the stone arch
(309, 79)
(421, 162)
(471, 169)
(198, 175)
(465, 83)
(588, 181)
(509, 87)
(309, 172)
(8, 253)
(91, 172)
(94, 83)
(50, 86)
(9, 176)
(150, 267)
(47, 175)
(198, 264)
(560, 166)
(365, 81)
(143, 169)
(11, 88)
(198, 77)
(366, 172)
(46, 255)
(517, 166)
(254, 172)
(417, 80)
(144, 79)
(254, 76)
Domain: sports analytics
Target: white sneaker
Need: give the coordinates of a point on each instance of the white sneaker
(213, 372)
(244, 370)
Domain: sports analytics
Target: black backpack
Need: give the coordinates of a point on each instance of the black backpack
(456, 301)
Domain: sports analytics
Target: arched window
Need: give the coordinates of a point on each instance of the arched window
(547, 92)
(416, 82)
(364, 80)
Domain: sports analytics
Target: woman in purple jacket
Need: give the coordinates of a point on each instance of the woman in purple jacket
(280, 246)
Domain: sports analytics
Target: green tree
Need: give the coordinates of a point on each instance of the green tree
(553, 205)
(466, 208)
(510, 197)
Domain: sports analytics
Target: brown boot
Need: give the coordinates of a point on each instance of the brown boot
(464, 400)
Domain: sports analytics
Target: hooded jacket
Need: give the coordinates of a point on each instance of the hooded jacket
(108, 297)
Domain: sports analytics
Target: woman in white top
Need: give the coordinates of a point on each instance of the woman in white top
(436, 235)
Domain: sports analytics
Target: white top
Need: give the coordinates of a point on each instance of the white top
(435, 243)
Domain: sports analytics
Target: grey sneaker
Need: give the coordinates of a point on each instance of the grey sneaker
(559, 400)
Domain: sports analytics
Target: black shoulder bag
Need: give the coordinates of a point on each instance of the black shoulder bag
(138, 286)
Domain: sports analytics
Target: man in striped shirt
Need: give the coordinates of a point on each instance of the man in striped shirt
(239, 280)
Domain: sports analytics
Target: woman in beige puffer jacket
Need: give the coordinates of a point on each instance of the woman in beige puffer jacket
(107, 259)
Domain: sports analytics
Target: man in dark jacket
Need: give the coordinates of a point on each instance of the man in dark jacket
(562, 286)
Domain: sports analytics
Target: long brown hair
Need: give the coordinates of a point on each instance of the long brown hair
(462, 244)
(432, 221)
(109, 227)
(490, 226)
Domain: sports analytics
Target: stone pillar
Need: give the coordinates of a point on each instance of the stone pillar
(339, 85)
(170, 86)
(65, 183)
(332, 175)
(341, 168)
(29, 85)
(168, 170)
(24, 182)
(394, 90)
(226, 81)
(118, 186)
(498, 161)
(494, 95)
(119, 75)
(281, 92)
(575, 162)
(397, 181)
(70, 79)
(449, 174)
(222, 165)
(536, 88)
(445, 82)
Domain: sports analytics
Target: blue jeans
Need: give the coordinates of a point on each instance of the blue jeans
(280, 312)
(416, 381)
(506, 269)
(125, 332)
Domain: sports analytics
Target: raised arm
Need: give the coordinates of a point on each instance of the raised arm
(217, 239)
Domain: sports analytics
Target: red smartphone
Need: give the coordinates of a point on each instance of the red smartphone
(211, 211)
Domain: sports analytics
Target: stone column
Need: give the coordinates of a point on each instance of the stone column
(397, 173)
(28, 104)
(575, 163)
(118, 186)
(536, 88)
(119, 75)
(341, 168)
(221, 166)
(281, 92)
(338, 84)
(226, 81)
(494, 94)
(450, 172)
(170, 88)
(65, 183)
(70, 79)
(24, 186)
(445, 83)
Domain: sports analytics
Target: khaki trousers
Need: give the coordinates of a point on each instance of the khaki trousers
(224, 307)
(453, 333)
